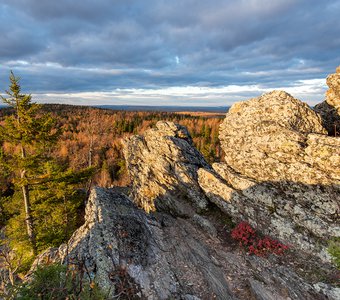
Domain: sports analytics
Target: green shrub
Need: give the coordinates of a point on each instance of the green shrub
(334, 251)
(58, 283)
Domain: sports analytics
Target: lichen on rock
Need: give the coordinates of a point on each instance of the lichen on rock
(266, 138)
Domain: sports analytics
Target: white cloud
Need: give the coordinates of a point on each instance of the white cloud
(169, 52)
(311, 91)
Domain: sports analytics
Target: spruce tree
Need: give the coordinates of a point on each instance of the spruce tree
(28, 135)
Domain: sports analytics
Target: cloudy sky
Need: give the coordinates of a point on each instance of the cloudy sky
(161, 52)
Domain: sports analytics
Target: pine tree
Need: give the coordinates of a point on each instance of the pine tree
(29, 136)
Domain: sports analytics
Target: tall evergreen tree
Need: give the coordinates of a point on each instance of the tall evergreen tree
(29, 136)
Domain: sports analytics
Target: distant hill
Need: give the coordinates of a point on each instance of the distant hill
(213, 109)
(221, 109)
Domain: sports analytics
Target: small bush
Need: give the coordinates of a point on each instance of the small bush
(47, 283)
(243, 233)
(248, 239)
(334, 251)
(58, 283)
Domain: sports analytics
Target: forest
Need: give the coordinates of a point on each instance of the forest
(50, 157)
(92, 137)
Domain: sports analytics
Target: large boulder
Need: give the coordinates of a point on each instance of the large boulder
(272, 138)
(281, 172)
(330, 108)
(163, 165)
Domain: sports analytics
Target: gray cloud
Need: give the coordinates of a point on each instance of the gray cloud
(100, 46)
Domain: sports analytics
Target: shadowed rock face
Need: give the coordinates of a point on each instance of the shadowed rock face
(162, 257)
(303, 216)
(330, 109)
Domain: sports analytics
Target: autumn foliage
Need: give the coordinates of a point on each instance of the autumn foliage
(249, 240)
(93, 136)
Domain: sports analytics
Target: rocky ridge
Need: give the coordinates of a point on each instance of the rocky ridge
(281, 174)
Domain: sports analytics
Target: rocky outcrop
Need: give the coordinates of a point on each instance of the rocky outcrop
(163, 168)
(330, 108)
(163, 257)
(157, 256)
(275, 138)
(169, 240)
(281, 172)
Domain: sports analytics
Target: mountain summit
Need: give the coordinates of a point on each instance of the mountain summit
(167, 235)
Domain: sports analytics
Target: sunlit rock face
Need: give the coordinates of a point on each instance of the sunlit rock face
(163, 165)
(277, 137)
(330, 108)
(281, 171)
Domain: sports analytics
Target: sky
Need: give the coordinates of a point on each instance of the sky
(161, 52)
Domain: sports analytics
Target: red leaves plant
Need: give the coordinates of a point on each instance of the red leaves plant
(247, 238)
